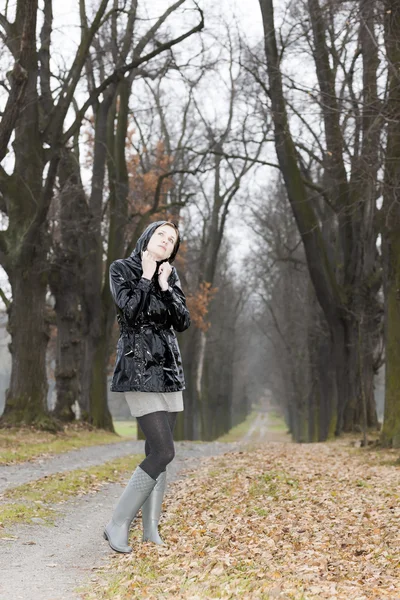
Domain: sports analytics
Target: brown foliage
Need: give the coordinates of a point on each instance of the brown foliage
(198, 304)
(144, 173)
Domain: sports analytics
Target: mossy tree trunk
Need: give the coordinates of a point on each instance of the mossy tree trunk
(94, 404)
(118, 215)
(188, 426)
(23, 250)
(26, 397)
(66, 284)
(391, 230)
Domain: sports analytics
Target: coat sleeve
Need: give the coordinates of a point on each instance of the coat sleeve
(175, 300)
(130, 297)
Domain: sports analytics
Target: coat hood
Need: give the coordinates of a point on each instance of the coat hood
(144, 239)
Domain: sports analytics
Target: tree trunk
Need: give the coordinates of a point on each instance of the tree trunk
(360, 412)
(100, 415)
(391, 231)
(93, 399)
(66, 286)
(322, 377)
(391, 424)
(187, 426)
(118, 202)
(203, 400)
(69, 345)
(24, 256)
(26, 397)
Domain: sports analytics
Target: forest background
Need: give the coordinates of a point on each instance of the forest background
(271, 135)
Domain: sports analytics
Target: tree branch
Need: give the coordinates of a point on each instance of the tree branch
(5, 180)
(120, 72)
(44, 57)
(149, 35)
(43, 204)
(10, 35)
(6, 301)
(19, 74)
(54, 127)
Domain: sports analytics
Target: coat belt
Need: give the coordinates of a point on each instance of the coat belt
(142, 326)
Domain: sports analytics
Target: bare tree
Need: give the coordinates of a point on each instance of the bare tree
(299, 346)
(345, 276)
(27, 194)
(28, 191)
(235, 145)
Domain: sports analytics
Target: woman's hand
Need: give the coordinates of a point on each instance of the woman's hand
(149, 265)
(164, 272)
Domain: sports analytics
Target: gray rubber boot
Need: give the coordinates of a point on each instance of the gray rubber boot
(134, 495)
(151, 511)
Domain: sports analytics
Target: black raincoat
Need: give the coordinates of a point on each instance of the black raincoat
(148, 355)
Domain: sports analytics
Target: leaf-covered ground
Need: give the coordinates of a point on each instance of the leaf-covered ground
(304, 522)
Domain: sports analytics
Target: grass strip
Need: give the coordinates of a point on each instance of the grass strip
(25, 444)
(276, 422)
(126, 428)
(38, 499)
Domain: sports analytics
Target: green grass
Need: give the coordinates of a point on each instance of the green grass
(240, 430)
(276, 421)
(126, 428)
(37, 498)
(24, 513)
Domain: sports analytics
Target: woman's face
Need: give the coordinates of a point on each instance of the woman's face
(162, 242)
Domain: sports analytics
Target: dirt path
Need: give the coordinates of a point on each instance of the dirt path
(50, 563)
(260, 431)
(14, 475)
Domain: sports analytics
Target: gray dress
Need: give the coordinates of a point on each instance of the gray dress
(143, 403)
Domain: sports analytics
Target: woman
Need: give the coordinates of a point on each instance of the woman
(150, 306)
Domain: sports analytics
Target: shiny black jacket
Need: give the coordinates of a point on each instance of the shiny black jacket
(148, 355)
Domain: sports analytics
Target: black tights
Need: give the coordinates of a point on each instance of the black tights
(158, 428)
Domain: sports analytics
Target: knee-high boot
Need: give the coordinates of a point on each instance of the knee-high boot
(151, 511)
(134, 495)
